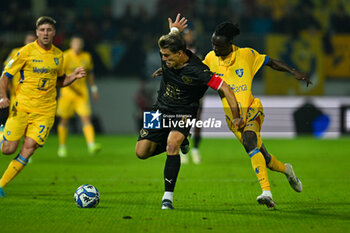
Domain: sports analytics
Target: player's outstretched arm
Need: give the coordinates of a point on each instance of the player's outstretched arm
(157, 73)
(4, 82)
(227, 92)
(93, 86)
(281, 66)
(180, 24)
(67, 80)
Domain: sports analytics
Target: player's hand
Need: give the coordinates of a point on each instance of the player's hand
(80, 72)
(95, 96)
(157, 73)
(237, 123)
(303, 77)
(180, 24)
(4, 102)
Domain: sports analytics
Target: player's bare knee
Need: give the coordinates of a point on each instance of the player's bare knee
(141, 155)
(141, 152)
(8, 149)
(249, 140)
(173, 148)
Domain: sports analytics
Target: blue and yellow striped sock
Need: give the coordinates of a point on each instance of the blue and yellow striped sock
(15, 167)
(276, 165)
(259, 166)
(2, 139)
(1, 143)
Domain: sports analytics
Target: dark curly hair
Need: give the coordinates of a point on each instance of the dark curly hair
(227, 29)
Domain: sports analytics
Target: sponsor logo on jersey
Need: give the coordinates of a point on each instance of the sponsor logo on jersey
(34, 60)
(237, 89)
(41, 70)
(56, 60)
(239, 72)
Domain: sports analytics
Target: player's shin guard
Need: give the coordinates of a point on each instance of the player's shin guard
(62, 134)
(15, 167)
(276, 165)
(89, 133)
(171, 170)
(259, 166)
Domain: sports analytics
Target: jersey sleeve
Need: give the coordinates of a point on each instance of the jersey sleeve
(16, 63)
(208, 78)
(255, 60)
(206, 60)
(10, 56)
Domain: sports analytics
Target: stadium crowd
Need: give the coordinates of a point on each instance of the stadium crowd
(131, 35)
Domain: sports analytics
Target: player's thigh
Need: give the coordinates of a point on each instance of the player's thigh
(255, 126)
(148, 141)
(16, 125)
(83, 107)
(39, 127)
(145, 148)
(65, 107)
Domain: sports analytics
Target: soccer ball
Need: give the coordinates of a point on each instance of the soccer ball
(87, 196)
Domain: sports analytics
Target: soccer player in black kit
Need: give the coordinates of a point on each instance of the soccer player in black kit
(185, 79)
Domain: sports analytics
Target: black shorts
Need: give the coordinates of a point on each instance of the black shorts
(160, 136)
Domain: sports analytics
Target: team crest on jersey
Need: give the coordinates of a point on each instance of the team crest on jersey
(186, 79)
(56, 60)
(239, 72)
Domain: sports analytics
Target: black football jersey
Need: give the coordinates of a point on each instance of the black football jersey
(181, 89)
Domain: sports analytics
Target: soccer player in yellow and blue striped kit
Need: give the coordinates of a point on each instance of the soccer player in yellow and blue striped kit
(32, 114)
(238, 66)
(75, 98)
(29, 38)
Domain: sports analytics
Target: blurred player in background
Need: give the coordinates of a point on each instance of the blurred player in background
(75, 98)
(30, 37)
(238, 66)
(189, 35)
(185, 79)
(32, 114)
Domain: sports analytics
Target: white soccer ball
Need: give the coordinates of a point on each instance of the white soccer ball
(87, 196)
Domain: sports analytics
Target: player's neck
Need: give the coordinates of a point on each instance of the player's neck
(46, 47)
(224, 57)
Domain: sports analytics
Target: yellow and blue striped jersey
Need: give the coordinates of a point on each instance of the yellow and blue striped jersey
(237, 70)
(39, 70)
(71, 62)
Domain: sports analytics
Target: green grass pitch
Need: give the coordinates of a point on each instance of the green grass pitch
(217, 196)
